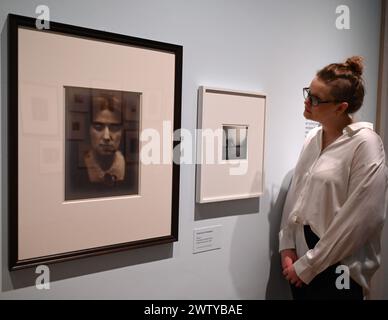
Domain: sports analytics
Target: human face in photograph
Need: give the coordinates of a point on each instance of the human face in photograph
(105, 133)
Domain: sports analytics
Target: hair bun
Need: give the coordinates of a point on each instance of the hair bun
(356, 65)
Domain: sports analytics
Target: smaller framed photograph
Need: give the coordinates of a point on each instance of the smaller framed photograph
(230, 145)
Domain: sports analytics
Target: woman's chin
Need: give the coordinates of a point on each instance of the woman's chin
(307, 115)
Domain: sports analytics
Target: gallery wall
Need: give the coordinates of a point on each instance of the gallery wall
(256, 45)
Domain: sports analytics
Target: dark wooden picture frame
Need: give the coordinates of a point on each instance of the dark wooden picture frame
(15, 23)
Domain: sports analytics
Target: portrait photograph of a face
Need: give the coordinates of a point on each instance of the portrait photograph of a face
(100, 159)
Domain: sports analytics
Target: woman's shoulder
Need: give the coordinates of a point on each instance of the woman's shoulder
(364, 132)
(369, 143)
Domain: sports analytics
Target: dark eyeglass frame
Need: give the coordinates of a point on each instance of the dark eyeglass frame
(313, 100)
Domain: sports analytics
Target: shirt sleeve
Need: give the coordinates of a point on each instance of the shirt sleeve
(360, 217)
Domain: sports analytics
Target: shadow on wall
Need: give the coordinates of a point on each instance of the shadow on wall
(243, 263)
(277, 286)
(250, 258)
(86, 266)
(222, 209)
(247, 267)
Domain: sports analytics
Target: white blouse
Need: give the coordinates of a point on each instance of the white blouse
(341, 193)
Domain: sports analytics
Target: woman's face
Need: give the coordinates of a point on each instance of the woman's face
(323, 112)
(105, 133)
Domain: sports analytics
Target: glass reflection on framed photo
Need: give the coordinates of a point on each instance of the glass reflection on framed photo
(102, 147)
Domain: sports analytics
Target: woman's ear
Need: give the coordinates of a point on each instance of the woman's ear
(342, 107)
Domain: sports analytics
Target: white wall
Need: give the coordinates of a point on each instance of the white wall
(274, 46)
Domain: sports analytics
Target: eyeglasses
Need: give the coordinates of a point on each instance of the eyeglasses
(314, 100)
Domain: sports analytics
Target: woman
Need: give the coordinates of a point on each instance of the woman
(335, 207)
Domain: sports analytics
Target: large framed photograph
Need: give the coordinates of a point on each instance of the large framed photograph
(230, 144)
(79, 102)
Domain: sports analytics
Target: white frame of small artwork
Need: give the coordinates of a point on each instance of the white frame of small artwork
(222, 180)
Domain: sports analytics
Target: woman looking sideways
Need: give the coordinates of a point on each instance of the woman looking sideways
(335, 207)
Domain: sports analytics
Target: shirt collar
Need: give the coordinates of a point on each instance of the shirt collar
(357, 126)
(97, 174)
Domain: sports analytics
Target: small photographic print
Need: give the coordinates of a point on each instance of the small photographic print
(234, 142)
